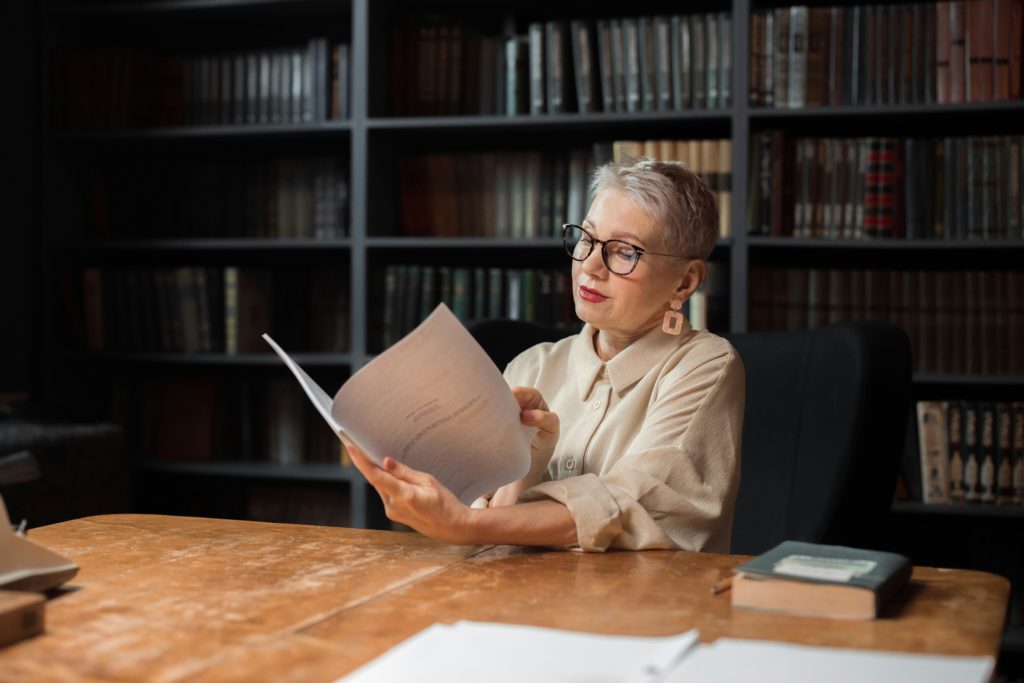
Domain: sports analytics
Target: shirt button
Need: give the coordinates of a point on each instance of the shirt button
(570, 464)
(596, 405)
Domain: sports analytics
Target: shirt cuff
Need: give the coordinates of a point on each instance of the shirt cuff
(593, 509)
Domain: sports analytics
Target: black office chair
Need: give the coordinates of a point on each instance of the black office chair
(823, 433)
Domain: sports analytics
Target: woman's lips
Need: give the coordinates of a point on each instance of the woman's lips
(591, 295)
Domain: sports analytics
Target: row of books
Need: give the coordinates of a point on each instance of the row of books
(210, 310)
(531, 194)
(919, 53)
(112, 88)
(971, 452)
(883, 187)
(710, 159)
(500, 194)
(543, 296)
(962, 322)
(284, 198)
(613, 65)
(411, 292)
(200, 416)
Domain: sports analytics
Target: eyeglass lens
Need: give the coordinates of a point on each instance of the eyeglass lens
(619, 257)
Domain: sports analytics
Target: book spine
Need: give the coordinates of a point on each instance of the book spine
(631, 49)
(604, 56)
(755, 93)
(554, 67)
(972, 455)
(231, 310)
(619, 69)
(980, 50)
(537, 80)
(648, 65)
(1016, 48)
(781, 52)
(582, 50)
(987, 469)
(712, 60)
(957, 51)
(1004, 454)
(955, 425)
(768, 63)
(725, 86)
(663, 60)
(698, 61)
(1017, 456)
(1002, 25)
(931, 429)
(798, 39)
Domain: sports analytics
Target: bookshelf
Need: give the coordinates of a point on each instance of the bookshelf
(370, 142)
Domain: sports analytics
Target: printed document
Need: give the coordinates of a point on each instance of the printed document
(434, 401)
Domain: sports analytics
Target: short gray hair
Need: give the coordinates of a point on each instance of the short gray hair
(672, 194)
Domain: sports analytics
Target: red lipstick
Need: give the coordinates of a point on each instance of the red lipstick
(591, 295)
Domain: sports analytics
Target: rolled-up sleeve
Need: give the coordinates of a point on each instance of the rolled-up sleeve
(675, 483)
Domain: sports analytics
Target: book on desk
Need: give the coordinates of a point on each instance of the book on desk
(820, 580)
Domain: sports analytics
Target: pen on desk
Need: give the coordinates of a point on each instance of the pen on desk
(722, 586)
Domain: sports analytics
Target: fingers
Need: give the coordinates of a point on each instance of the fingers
(529, 398)
(406, 473)
(545, 420)
(381, 479)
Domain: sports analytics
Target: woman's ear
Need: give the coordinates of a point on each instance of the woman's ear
(691, 279)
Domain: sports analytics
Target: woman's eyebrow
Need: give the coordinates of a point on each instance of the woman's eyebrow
(622, 233)
(618, 233)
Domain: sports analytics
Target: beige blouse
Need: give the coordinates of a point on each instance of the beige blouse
(648, 454)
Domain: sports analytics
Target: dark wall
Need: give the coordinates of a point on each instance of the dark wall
(19, 276)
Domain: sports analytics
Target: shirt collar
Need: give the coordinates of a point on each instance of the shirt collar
(626, 368)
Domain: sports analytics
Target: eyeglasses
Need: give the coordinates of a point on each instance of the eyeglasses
(618, 256)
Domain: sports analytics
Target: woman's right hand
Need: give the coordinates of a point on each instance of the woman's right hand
(533, 412)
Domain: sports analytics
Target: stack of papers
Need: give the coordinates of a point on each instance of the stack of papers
(499, 653)
(508, 653)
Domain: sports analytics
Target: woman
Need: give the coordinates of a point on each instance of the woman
(639, 415)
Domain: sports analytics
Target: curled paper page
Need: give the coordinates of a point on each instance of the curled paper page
(435, 402)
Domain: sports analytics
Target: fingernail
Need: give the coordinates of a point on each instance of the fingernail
(528, 417)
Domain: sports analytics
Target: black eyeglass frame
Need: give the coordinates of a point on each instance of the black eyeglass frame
(640, 251)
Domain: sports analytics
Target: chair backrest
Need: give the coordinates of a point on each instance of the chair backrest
(823, 433)
(503, 340)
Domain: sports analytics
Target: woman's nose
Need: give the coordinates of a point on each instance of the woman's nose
(594, 263)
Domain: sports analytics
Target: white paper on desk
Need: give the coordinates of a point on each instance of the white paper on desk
(732, 660)
(508, 653)
(435, 402)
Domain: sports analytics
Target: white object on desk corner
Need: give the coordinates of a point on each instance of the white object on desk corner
(26, 565)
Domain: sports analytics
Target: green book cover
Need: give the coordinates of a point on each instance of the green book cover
(878, 571)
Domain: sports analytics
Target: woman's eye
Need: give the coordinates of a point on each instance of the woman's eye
(624, 253)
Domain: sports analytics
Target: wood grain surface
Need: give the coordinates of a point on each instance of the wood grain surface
(177, 598)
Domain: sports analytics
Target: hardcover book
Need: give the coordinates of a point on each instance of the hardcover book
(820, 580)
(931, 429)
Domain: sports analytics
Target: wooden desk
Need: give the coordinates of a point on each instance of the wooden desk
(174, 598)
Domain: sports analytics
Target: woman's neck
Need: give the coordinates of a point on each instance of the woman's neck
(608, 344)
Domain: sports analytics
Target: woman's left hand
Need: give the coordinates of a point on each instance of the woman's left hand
(417, 499)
